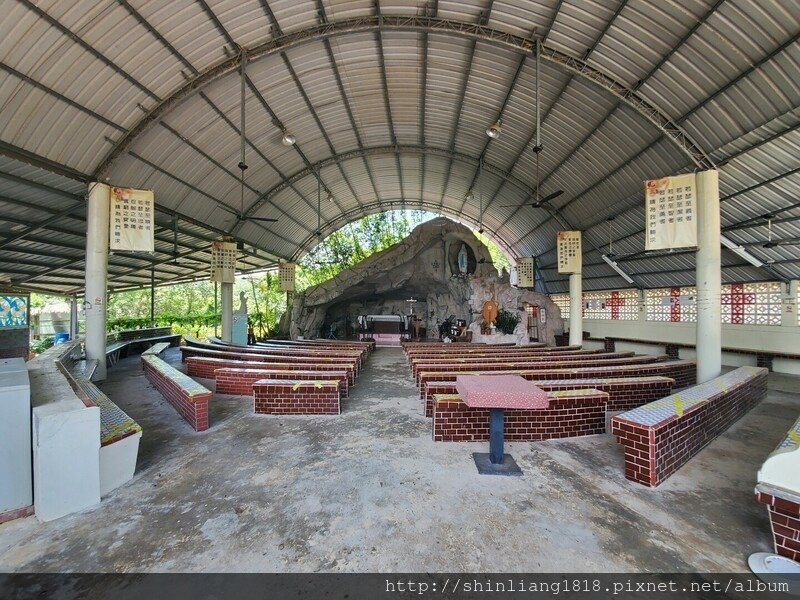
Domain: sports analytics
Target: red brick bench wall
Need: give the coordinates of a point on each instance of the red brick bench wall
(292, 397)
(684, 372)
(240, 381)
(502, 362)
(784, 516)
(312, 362)
(571, 414)
(188, 397)
(204, 367)
(623, 394)
(536, 364)
(662, 436)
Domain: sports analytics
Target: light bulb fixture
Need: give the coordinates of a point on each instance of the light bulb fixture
(616, 267)
(288, 139)
(330, 196)
(470, 196)
(493, 131)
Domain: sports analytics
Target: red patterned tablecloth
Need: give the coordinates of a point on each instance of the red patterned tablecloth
(500, 391)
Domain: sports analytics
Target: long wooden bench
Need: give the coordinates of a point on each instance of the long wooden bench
(624, 393)
(569, 414)
(206, 366)
(119, 433)
(296, 397)
(662, 436)
(187, 396)
(239, 381)
(684, 372)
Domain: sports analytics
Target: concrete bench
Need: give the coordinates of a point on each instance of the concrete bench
(570, 414)
(296, 397)
(357, 354)
(624, 393)
(297, 362)
(779, 488)
(238, 381)
(156, 349)
(119, 433)
(206, 367)
(684, 372)
(662, 436)
(533, 365)
(187, 396)
(505, 361)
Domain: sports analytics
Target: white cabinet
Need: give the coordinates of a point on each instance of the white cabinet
(16, 485)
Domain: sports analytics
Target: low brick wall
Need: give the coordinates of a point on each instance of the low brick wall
(292, 397)
(624, 393)
(684, 373)
(239, 381)
(662, 436)
(205, 367)
(187, 396)
(513, 351)
(570, 414)
(784, 516)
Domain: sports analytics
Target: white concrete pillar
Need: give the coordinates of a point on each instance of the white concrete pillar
(73, 318)
(575, 310)
(227, 311)
(97, 221)
(708, 277)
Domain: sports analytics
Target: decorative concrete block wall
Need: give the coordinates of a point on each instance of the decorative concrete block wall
(570, 414)
(187, 396)
(662, 436)
(291, 397)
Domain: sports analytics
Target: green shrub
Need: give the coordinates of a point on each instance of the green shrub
(506, 321)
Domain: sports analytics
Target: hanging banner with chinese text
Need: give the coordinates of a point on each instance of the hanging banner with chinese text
(286, 276)
(670, 209)
(223, 261)
(570, 257)
(131, 220)
(526, 269)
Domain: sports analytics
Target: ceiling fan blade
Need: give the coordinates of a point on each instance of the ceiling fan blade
(552, 196)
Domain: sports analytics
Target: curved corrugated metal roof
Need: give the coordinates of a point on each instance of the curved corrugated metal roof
(389, 101)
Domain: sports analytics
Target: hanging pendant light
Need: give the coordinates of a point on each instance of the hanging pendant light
(288, 139)
(493, 131)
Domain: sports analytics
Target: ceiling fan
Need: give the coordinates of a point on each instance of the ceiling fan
(537, 149)
(770, 243)
(242, 164)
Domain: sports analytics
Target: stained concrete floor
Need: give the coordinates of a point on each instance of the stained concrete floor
(370, 491)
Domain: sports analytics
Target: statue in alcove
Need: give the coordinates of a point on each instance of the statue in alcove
(463, 259)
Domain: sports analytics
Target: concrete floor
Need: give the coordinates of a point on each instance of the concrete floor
(370, 491)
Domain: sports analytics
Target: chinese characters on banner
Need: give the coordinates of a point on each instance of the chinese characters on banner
(131, 220)
(526, 272)
(570, 258)
(286, 276)
(670, 208)
(223, 261)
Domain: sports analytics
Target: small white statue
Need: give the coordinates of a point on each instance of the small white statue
(242, 304)
(462, 259)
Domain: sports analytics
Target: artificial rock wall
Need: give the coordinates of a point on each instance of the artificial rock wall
(423, 266)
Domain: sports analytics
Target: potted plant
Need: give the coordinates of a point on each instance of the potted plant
(507, 321)
(486, 328)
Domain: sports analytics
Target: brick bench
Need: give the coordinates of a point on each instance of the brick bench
(536, 365)
(662, 436)
(503, 362)
(296, 397)
(570, 414)
(187, 396)
(197, 366)
(684, 372)
(240, 381)
(624, 393)
(415, 356)
(779, 488)
(303, 353)
(310, 362)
